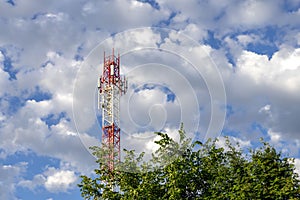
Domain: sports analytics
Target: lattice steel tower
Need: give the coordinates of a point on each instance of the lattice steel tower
(111, 86)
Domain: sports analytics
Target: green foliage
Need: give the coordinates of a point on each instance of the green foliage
(192, 170)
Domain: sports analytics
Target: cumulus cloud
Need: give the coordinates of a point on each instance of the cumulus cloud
(275, 79)
(275, 137)
(54, 180)
(252, 13)
(280, 71)
(60, 181)
(61, 141)
(247, 39)
(9, 175)
(146, 64)
(236, 142)
(262, 90)
(297, 165)
(4, 80)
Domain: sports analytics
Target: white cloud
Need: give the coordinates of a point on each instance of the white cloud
(254, 65)
(195, 32)
(228, 16)
(236, 142)
(257, 82)
(1, 57)
(60, 181)
(145, 141)
(142, 69)
(297, 165)
(54, 180)
(298, 38)
(9, 176)
(50, 19)
(275, 137)
(4, 80)
(266, 108)
(261, 89)
(25, 130)
(281, 71)
(31, 133)
(38, 180)
(252, 13)
(126, 14)
(245, 39)
(177, 75)
(2, 117)
(143, 102)
(64, 68)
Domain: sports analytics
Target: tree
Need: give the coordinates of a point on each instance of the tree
(192, 170)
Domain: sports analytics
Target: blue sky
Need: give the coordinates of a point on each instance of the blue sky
(227, 67)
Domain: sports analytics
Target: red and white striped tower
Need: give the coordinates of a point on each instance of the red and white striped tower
(111, 86)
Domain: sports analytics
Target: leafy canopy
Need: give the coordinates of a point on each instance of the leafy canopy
(192, 170)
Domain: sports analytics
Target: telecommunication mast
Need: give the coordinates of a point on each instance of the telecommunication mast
(111, 86)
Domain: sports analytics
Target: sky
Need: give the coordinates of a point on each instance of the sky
(223, 68)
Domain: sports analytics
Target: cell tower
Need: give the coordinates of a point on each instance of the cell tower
(111, 86)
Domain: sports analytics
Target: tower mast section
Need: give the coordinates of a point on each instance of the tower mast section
(111, 86)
